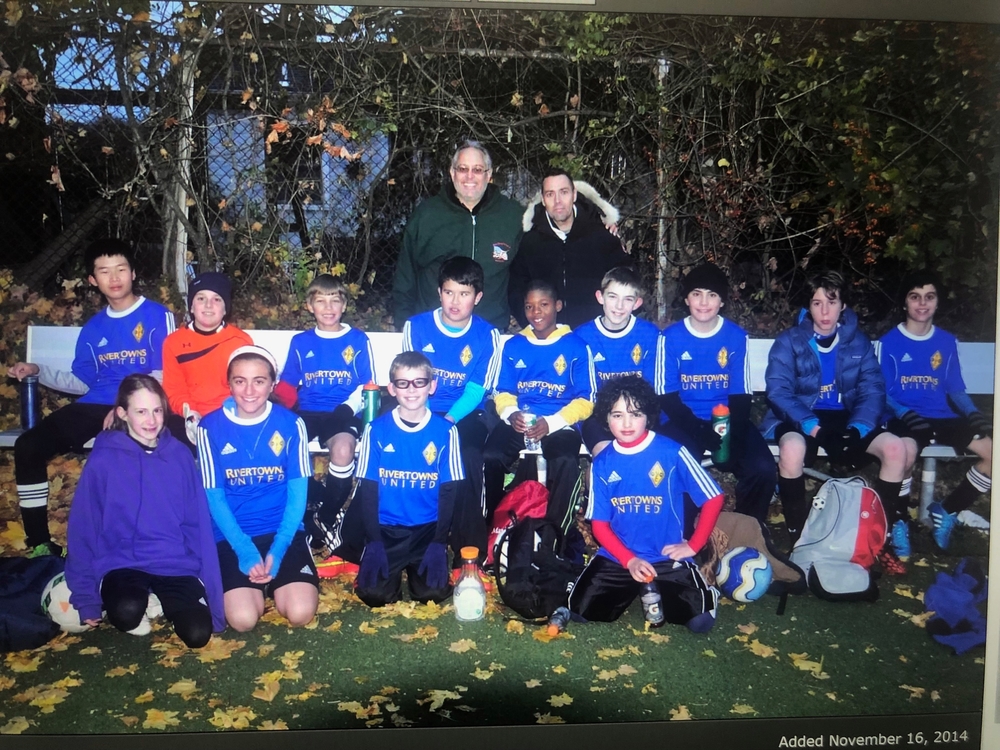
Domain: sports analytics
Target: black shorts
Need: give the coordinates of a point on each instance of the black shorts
(605, 589)
(297, 566)
(857, 454)
(955, 432)
(594, 432)
(323, 425)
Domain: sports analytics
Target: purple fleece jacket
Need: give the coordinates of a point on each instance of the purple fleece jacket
(144, 511)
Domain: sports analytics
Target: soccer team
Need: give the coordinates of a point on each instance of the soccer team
(430, 469)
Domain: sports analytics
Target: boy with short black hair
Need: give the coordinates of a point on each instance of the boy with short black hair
(409, 472)
(123, 339)
(926, 399)
(638, 516)
(325, 372)
(547, 372)
(621, 343)
(702, 362)
(465, 352)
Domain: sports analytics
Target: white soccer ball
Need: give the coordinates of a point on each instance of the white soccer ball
(55, 602)
(744, 574)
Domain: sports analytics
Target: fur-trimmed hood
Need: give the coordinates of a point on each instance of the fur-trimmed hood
(587, 200)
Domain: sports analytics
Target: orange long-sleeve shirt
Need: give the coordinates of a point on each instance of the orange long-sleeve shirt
(194, 367)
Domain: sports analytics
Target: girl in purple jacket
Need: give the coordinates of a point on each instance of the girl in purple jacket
(140, 525)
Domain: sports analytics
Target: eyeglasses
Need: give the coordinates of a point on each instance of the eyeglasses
(403, 385)
(477, 170)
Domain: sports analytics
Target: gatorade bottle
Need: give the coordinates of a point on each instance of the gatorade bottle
(371, 399)
(652, 604)
(720, 423)
(558, 621)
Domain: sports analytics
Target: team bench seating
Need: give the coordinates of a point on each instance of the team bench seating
(54, 346)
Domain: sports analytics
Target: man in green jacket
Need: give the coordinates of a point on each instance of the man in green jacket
(468, 217)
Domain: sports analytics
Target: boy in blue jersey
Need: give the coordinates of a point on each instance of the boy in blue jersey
(825, 389)
(638, 492)
(324, 374)
(123, 339)
(702, 362)
(465, 352)
(409, 472)
(621, 343)
(927, 402)
(545, 371)
(255, 466)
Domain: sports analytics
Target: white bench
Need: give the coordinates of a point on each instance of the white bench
(54, 346)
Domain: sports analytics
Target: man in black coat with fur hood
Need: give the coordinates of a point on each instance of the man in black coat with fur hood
(566, 243)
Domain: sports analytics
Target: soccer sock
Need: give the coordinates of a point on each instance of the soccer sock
(975, 484)
(338, 487)
(888, 493)
(904, 495)
(793, 503)
(34, 502)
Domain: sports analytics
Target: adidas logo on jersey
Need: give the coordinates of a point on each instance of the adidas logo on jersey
(310, 354)
(598, 357)
(389, 449)
(102, 342)
(520, 364)
(686, 357)
(429, 349)
(906, 358)
(614, 477)
(228, 449)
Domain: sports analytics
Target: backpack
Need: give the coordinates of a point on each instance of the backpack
(841, 538)
(528, 500)
(533, 578)
(23, 622)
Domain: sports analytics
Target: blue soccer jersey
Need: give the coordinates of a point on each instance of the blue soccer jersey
(471, 355)
(703, 367)
(630, 351)
(546, 374)
(329, 368)
(409, 465)
(829, 394)
(640, 490)
(252, 460)
(113, 345)
(920, 371)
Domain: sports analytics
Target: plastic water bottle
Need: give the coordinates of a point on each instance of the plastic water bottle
(720, 424)
(31, 407)
(651, 604)
(371, 399)
(530, 420)
(558, 621)
(469, 597)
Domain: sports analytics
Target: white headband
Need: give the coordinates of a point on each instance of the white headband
(258, 351)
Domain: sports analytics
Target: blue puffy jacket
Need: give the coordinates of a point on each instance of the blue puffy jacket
(794, 373)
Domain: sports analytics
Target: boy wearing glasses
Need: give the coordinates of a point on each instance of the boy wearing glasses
(465, 352)
(470, 218)
(409, 471)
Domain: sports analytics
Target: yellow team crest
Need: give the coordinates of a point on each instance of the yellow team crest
(936, 360)
(276, 443)
(637, 354)
(430, 453)
(348, 354)
(137, 332)
(656, 474)
(466, 356)
(723, 357)
(560, 364)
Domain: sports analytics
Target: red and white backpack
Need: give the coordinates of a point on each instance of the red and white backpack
(841, 538)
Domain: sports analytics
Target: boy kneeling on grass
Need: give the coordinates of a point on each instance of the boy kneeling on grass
(409, 471)
(637, 514)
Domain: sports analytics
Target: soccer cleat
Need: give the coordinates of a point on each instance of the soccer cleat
(46, 549)
(485, 578)
(143, 628)
(153, 607)
(944, 523)
(334, 566)
(891, 564)
(900, 538)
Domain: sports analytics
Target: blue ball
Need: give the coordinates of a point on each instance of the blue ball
(744, 574)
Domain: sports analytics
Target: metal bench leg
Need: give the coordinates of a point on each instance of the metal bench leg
(928, 475)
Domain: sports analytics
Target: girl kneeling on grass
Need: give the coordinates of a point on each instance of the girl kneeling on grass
(140, 524)
(255, 464)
